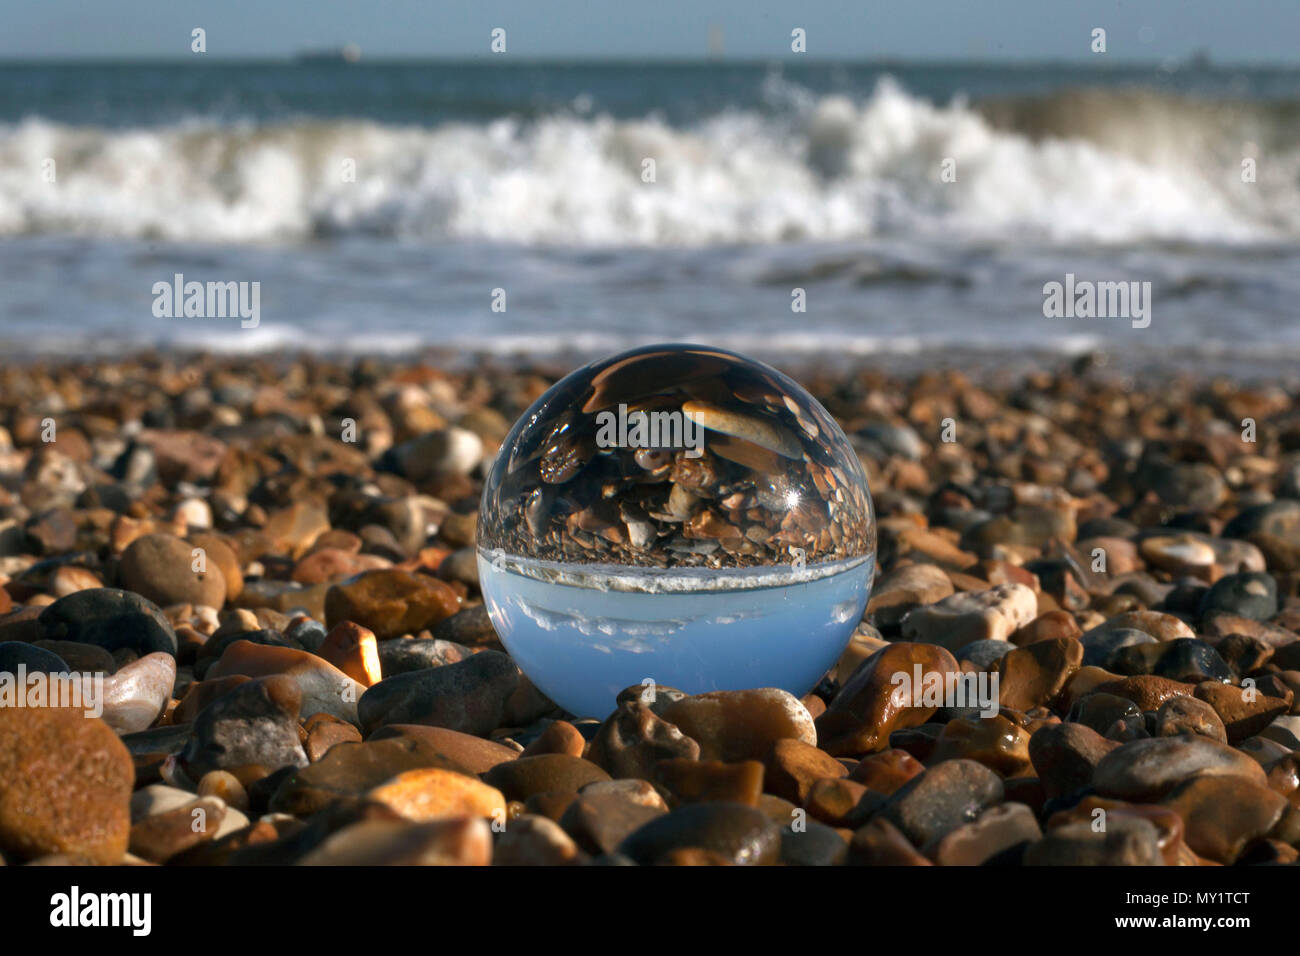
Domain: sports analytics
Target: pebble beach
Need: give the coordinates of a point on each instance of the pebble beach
(269, 566)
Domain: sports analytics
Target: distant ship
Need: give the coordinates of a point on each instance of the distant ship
(349, 53)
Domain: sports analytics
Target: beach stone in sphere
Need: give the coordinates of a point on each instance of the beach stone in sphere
(677, 516)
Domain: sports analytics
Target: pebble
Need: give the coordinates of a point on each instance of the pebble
(431, 793)
(793, 766)
(136, 695)
(1035, 675)
(437, 453)
(353, 650)
(985, 654)
(559, 737)
(869, 708)
(161, 568)
(469, 626)
(633, 739)
(1251, 595)
(403, 655)
(692, 781)
(737, 833)
(1223, 815)
(323, 732)
(391, 602)
(1146, 690)
(1244, 714)
(1146, 770)
(606, 813)
(732, 725)
(15, 654)
(1065, 756)
(65, 785)
(532, 840)
(255, 723)
(841, 803)
(79, 657)
(1101, 645)
(161, 835)
(879, 843)
(468, 696)
(1100, 711)
(323, 687)
(1189, 715)
(473, 753)
(108, 618)
(524, 777)
(349, 771)
(999, 835)
(969, 616)
(1126, 841)
(1184, 659)
(886, 771)
(996, 742)
(1161, 626)
(219, 783)
(465, 841)
(904, 588)
(814, 844)
(942, 798)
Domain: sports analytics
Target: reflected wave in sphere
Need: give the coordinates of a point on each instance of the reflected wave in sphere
(680, 515)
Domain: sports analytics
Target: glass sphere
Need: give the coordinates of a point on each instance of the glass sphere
(677, 514)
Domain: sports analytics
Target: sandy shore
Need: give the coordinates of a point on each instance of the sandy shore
(243, 549)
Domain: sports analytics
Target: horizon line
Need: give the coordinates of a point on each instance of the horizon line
(302, 58)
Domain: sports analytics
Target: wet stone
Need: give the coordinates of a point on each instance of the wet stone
(942, 798)
(999, 835)
(1066, 756)
(869, 708)
(1126, 841)
(886, 771)
(694, 781)
(793, 766)
(1244, 713)
(1035, 675)
(1100, 711)
(605, 814)
(815, 844)
(633, 739)
(741, 724)
(468, 696)
(1189, 715)
(1101, 647)
(739, 834)
(1223, 815)
(1146, 770)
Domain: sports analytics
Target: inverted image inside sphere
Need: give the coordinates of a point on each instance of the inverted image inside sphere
(677, 456)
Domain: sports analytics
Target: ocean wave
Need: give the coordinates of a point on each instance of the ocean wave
(1082, 166)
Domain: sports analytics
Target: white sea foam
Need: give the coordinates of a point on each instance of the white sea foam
(820, 168)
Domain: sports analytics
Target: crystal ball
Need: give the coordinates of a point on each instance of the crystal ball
(678, 516)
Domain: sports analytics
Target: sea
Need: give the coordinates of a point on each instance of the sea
(890, 212)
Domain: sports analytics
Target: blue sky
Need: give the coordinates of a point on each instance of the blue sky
(1258, 31)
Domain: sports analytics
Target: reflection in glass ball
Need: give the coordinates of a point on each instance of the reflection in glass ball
(678, 514)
